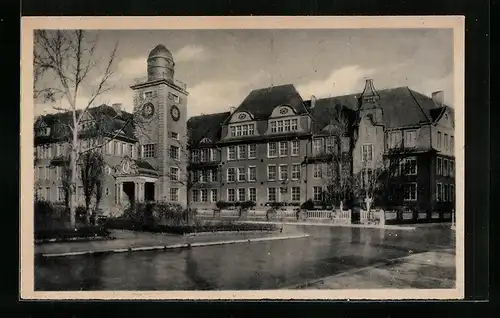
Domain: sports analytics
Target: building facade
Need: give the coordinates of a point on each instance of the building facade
(274, 146)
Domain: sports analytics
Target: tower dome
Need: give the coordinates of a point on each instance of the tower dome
(160, 64)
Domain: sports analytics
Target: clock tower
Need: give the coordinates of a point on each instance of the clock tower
(160, 105)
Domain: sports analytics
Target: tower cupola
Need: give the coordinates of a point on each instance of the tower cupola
(161, 64)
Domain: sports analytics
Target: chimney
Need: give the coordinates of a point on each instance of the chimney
(232, 109)
(438, 98)
(313, 101)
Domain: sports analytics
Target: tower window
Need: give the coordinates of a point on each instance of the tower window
(148, 151)
(148, 94)
(176, 98)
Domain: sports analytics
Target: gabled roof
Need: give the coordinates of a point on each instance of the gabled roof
(261, 102)
(206, 126)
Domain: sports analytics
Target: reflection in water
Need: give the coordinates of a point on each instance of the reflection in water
(255, 265)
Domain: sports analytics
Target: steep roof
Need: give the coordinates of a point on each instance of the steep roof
(206, 126)
(401, 107)
(261, 102)
(111, 119)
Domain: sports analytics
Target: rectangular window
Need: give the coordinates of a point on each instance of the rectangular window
(283, 172)
(244, 130)
(445, 167)
(445, 192)
(251, 129)
(174, 194)
(174, 173)
(252, 151)
(214, 195)
(60, 194)
(238, 131)
(366, 177)
(295, 193)
(48, 197)
(317, 173)
(409, 166)
(330, 145)
(451, 166)
(204, 195)
(241, 152)
(241, 195)
(296, 171)
(287, 125)
(205, 155)
(295, 148)
(317, 146)
(124, 149)
(452, 144)
(440, 140)
(294, 125)
(231, 174)
(317, 193)
(213, 175)
(196, 155)
(272, 150)
(367, 153)
(252, 194)
(394, 139)
(271, 172)
(233, 131)
(252, 173)
(283, 148)
(283, 191)
(439, 167)
(196, 195)
(273, 126)
(439, 192)
(174, 135)
(118, 149)
(410, 192)
(241, 174)
(40, 173)
(213, 154)
(131, 151)
(231, 153)
(280, 126)
(410, 138)
(174, 152)
(445, 142)
(271, 195)
(452, 193)
(231, 195)
(148, 151)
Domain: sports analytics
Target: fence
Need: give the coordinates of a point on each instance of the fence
(371, 217)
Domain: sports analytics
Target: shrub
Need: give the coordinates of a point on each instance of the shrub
(247, 205)
(308, 205)
(222, 205)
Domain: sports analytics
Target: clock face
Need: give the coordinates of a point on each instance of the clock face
(174, 111)
(148, 110)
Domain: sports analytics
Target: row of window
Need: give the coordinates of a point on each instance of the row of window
(445, 167)
(150, 151)
(46, 194)
(284, 125)
(445, 142)
(445, 192)
(395, 138)
(205, 175)
(274, 194)
(242, 130)
(408, 190)
(328, 145)
(113, 148)
(205, 155)
(274, 172)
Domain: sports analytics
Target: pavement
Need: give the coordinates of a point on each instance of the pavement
(134, 241)
(435, 269)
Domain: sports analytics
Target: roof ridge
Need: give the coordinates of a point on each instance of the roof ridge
(418, 104)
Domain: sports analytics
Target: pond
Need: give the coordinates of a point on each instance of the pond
(257, 265)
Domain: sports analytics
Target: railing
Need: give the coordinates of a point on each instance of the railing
(319, 214)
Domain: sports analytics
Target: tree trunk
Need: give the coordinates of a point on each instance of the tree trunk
(72, 193)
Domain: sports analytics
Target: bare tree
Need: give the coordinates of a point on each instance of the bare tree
(63, 65)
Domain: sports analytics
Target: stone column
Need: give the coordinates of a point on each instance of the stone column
(120, 190)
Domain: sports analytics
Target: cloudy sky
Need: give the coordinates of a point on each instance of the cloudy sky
(220, 67)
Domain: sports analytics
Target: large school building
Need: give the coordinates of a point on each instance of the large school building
(273, 146)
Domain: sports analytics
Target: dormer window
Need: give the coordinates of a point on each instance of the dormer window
(43, 132)
(242, 130)
(284, 125)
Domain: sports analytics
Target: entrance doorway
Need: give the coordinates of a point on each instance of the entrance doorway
(129, 190)
(149, 191)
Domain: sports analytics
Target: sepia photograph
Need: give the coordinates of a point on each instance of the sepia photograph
(242, 158)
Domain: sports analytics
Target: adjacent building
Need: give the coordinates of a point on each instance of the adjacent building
(273, 146)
